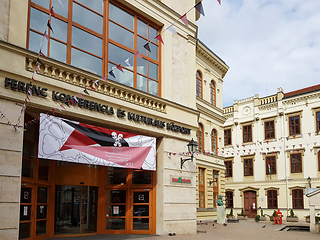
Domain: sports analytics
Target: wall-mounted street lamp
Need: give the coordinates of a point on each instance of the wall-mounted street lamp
(309, 181)
(216, 176)
(192, 147)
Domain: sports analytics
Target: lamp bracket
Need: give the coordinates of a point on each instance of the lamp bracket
(186, 159)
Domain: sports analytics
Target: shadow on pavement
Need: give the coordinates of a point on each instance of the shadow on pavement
(104, 237)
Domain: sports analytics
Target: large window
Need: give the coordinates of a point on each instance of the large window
(296, 163)
(80, 39)
(272, 199)
(269, 129)
(228, 168)
(247, 133)
(200, 136)
(271, 165)
(214, 141)
(201, 188)
(229, 199)
(297, 198)
(227, 137)
(294, 125)
(248, 167)
(213, 93)
(199, 84)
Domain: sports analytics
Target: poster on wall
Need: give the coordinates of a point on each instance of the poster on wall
(71, 141)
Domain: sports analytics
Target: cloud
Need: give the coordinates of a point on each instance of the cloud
(266, 44)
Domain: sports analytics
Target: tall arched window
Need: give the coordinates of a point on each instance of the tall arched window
(214, 141)
(199, 84)
(200, 136)
(213, 93)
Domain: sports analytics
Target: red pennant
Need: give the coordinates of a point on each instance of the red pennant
(28, 97)
(34, 80)
(92, 87)
(80, 95)
(52, 12)
(52, 111)
(219, 1)
(137, 54)
(72, 102)
(62, 107)
(120, 68)
(294, 136)
(42, 54)
(45, 35)
(184, 19)
(159, 38)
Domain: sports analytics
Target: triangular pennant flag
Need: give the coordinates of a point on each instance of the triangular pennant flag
(28, 97)
(146, 46)
(45, 35)
(199, 8)
(219, 1)
(42, 54)
(34, 80)
(72, 102)
(66, 103)
(75, 98)
(137, 54)
(62, 107)
(309, 134)
(49, 26)
(111, 73)
(38, 69)
(80, 95)
(120, 68)
(287, 138)
(184, 19)
(85, 91)
(59, 109)
(294, 136)
(52, 12)
(60, 3)
(293, 146)
(159, 38)
(172, 29)
(96, 82)
(92, 87)
(52, 111)
(39, 61)
(104, 78)
(127, 62)
(300, 145)
(34, 72)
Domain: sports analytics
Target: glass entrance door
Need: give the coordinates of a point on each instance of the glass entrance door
(76, 210)
(141, 206)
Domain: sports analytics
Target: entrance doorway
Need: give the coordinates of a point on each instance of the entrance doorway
(250, 204)
(75, 210)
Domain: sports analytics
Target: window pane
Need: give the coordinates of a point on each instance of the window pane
(96, 5)
(117, 177)
(116, 223)
(25, 230)
(121, 35)
(87, 18)
(153, 87)
(27, 168)
(63, 11)
(41, 211)
(140, 43)
(86, 61)
(152, 34)
(118, 55)
(154, 51)
(142, 83)
(123, 18)
(142, 29)
(125, 77)
(153, 70)
(42, 195)
(86, 41)
(60, 29)
(116, 196)
(141, 177)
(35, 40)
(41, 227)
(38, 20)
(142, 66)
(43, 172)
(58, 51)
(43, 3)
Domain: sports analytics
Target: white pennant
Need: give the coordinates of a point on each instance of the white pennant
(172, 29)
(127, 62)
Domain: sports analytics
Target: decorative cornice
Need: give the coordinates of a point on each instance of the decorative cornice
(210, 113)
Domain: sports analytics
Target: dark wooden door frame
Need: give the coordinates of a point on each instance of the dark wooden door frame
(250, 203)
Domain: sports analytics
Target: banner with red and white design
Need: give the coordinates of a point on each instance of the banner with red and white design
(65, 140)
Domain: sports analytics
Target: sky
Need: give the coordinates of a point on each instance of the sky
(267, 44)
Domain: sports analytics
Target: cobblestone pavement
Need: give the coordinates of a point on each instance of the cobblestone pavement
(243, 230)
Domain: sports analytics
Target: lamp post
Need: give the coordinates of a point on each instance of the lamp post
(192, 147)
(216, 176)
(309, 181)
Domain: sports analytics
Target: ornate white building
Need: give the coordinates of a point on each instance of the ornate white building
(271, 150)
